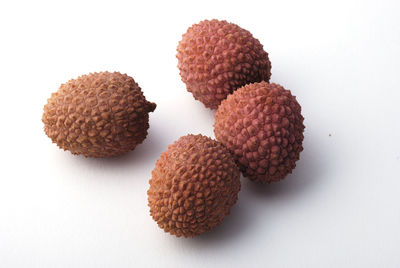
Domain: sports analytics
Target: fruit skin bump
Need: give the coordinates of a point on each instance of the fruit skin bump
(262, 125)
(98, 115)
(194, 184)
(216, 57)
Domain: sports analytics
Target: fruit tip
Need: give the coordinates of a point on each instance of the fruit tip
(151, 106)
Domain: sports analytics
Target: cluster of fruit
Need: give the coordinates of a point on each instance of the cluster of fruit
(195, 182)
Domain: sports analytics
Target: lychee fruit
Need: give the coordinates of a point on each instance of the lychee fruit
(262, 126)
(194, 185)
(217, 57)
(98, 115)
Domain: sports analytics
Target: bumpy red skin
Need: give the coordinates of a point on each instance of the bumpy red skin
(216, 57)
(98, 115)
(262, 125)
(193, 186)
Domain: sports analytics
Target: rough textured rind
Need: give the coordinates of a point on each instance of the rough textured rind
(98, 115)
(216, 57)
(193, 186)
(262, 125)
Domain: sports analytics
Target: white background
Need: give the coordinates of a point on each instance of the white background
(339, 208)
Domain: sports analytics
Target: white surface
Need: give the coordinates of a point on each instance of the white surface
(340, 207)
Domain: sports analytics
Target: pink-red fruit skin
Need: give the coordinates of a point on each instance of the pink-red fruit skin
(217, 57)
(98, 115)
(194, 185)
(261, 124)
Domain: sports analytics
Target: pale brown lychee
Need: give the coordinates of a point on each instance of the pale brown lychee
(98, 115)
(194, 185)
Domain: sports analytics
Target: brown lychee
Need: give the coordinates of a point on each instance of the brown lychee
(98, 115)
(261, 124)
(217, 57)
(194, 185)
